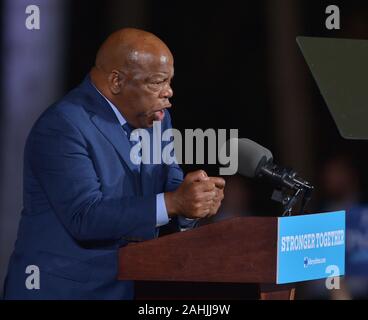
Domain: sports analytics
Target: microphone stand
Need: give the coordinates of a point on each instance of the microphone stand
(302, 190)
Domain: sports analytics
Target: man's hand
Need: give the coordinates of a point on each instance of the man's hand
(197, 197)
(220, 185)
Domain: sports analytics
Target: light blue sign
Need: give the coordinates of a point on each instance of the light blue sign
(311, 247)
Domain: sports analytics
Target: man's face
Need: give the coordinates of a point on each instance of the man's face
(146, 90)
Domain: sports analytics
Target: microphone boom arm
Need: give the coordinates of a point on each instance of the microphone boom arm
(288, 180)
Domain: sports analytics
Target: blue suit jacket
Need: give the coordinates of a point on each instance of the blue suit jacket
(83, 199)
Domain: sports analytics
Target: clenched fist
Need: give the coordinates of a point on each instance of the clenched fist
(198, 196)
(220, 185)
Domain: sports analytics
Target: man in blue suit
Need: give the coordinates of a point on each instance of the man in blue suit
(83, 196)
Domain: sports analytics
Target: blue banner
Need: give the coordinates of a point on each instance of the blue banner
(311, 247)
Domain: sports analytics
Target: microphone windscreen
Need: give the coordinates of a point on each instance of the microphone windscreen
(251, 157)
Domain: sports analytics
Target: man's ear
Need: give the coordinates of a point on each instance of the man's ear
(116, 81)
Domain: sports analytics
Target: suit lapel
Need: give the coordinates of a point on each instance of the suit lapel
(105, 120)
(114, 133)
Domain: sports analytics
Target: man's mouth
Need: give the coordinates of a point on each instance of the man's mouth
(159, 115)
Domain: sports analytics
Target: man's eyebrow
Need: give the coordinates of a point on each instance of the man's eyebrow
(159, 75)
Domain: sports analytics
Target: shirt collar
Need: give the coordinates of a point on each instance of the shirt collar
(121, 119)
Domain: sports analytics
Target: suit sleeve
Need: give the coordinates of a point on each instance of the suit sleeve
(60, 160)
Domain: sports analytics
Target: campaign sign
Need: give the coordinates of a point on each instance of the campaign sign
(311, 247)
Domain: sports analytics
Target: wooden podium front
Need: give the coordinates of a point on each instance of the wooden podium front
(238, 250)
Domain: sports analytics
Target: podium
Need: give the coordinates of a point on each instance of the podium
(238, 250)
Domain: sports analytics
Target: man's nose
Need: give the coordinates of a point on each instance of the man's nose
(166, 92)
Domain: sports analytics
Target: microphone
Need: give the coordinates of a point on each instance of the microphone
(255, 161)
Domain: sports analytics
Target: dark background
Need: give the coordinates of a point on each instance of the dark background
(237, 65)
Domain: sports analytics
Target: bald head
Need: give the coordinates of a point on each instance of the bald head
(130, 48)
(133, 69)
